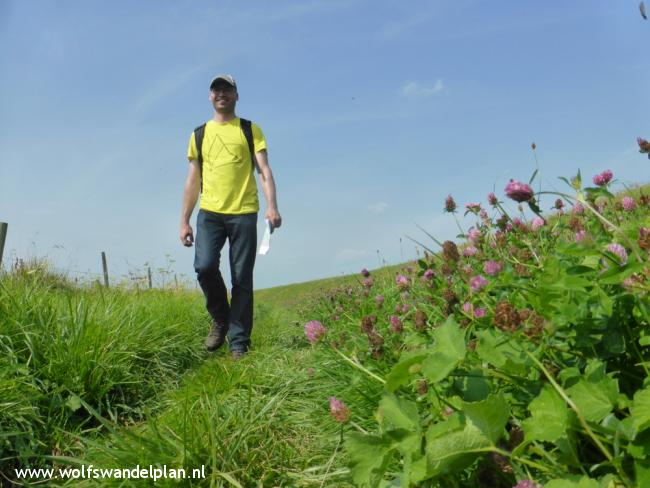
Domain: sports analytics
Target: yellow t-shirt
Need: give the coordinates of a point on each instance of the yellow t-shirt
(229, 185)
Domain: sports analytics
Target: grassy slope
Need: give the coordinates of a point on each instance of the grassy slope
(260, 422)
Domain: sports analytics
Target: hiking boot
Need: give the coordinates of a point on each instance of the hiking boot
(237, 354)
(216, 337)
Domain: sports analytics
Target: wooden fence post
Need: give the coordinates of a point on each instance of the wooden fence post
(149, 273)
(105, 269)
(3, 235)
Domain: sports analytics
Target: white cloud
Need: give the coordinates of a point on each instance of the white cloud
(414, 90)
(378, 207)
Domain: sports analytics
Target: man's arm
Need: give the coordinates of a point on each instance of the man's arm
(190, 196)
(268, 186)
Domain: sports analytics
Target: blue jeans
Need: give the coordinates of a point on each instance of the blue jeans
(212, 230)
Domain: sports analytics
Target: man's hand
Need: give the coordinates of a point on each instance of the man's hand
(187, 235)
(274, 217)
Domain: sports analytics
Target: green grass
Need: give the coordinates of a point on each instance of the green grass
(119, 378)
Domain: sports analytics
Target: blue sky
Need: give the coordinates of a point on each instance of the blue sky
(373, 112)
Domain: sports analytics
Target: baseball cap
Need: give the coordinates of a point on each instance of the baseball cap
(227, 78)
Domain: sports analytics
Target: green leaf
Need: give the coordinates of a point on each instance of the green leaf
(583, 482)
(399, 374)
(595, 399)
(490, 416)
(73, 403)
(475, 386)
(644, 340)
(640, 409)
(399, 413)
(642, 473)
(549, 418)
(456, 450)
(617, 274)
(533, 206)
(448, 351)
(499, 350)
(532, 178)
(369, 456)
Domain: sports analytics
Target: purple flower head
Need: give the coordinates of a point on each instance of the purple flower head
(492, 199)
(628, 203)
(492, 267)
(478, 282)
(580, 235)
(619, 251)
(367, 283)
(450, 204)
(365, 273)
(379, 299)
(559, 204)
(518, 191)
(428, 274)
(474, 234)
(537, 223)
(339, 410)
(603, 178)
(484, 215)
(473, 207)
(469, 251)
(402, 281)
(396, 324)
(467, 307)
(527, 484)
(479, 312)
(578, 208)
(314, 331)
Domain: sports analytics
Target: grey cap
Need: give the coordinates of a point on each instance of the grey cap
(227, 78)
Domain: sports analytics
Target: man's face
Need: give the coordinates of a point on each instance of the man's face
(223, 96)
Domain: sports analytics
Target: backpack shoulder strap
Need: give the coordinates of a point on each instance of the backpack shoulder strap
(247, 129)
(198, 140)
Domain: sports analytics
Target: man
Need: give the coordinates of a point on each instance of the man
(228, 210)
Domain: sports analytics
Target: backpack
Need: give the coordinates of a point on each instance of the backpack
(246, 128)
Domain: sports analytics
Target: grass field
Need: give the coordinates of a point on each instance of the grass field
(441, 369)
(118, 378)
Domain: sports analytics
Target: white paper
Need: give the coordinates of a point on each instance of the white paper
(266, 240)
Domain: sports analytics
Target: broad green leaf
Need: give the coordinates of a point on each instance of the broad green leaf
(594, 399)
(617, 274)
(584, 482)
(448, 351)
(73, 403)
(475, 386)
(399, 413)
(571, 283)
(549, 418)
(490, 416)
(456, 450)
(369, 456)
(642, 473)
(399, 374)
(640, 409)
(498, 349)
